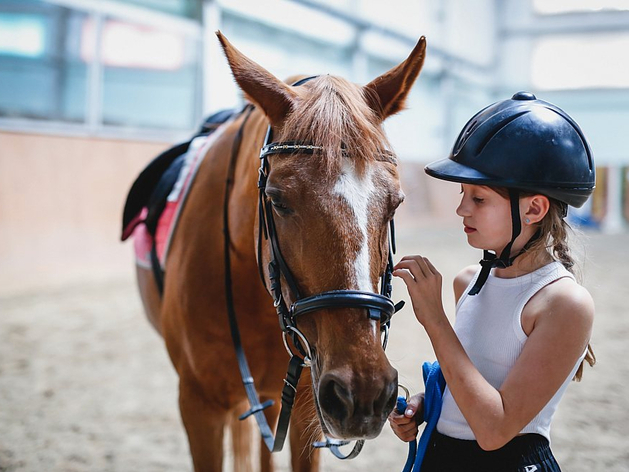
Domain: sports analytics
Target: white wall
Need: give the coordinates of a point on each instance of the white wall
(603, 113)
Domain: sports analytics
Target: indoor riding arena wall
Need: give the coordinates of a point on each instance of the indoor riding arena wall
(61, 201)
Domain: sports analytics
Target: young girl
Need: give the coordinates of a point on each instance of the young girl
(522, 322)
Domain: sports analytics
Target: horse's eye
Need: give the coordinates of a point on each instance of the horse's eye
(278, 202)
(395, 201)
(278, 205)
(400, 198)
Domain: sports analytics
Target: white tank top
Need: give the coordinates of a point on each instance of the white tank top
(490, 329)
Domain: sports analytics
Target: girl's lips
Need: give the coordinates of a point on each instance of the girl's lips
(469, 229)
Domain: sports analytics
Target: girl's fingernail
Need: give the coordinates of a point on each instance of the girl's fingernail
(409, 412)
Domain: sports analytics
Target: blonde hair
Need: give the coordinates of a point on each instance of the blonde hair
(554, 233)
(553, 240)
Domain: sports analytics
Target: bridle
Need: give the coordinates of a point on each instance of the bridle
(380, 307)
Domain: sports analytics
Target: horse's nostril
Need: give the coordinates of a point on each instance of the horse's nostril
(385, 401)
(335, 399)
(390, 404)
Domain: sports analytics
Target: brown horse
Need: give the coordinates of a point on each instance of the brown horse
(331, 210)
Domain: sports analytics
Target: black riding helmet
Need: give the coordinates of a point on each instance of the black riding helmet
(522, 144)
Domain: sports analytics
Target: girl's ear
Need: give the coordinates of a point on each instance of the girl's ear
(535, 208)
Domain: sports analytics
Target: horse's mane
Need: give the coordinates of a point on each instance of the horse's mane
(334, 114)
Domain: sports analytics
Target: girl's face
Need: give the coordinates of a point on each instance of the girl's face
(486, 217)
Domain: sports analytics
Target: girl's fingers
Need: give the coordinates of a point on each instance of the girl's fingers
(405, 275)
(417, 265)
(409, 259)
(427, 267)
(413, 405)
(407, 429)
(431, 267)
(411, 265)
(405, 434)
(400, 421)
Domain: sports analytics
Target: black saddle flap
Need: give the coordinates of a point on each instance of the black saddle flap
(147, 182)
(155, 182)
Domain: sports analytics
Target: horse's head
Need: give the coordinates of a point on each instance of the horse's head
(331, 209)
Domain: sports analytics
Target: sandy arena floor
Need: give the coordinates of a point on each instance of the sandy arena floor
(86, 384)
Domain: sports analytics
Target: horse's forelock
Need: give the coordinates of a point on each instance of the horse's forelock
(333, 114)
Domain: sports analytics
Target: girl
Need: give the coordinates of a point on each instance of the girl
(523, 324)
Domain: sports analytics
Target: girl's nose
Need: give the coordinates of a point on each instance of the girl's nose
(463, 209)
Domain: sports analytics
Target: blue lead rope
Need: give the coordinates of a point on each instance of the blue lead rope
(435, 385)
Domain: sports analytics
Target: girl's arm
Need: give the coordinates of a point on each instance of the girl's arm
(563, 315)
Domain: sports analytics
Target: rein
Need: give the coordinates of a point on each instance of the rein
(380, 306)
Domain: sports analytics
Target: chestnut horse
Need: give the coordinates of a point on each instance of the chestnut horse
(331, 209)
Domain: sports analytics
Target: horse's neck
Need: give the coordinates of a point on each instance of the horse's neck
(244, 194)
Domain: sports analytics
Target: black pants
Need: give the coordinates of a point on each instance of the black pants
(526, 453)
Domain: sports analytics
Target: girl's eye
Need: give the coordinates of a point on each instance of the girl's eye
(478, 200)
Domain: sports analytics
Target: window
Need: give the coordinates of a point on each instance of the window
(99, 69)
(185, 8)
(149, 76)
(549, 7)
(40, 65)
(571, 62)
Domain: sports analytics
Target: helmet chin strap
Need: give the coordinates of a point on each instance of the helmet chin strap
(490, 260)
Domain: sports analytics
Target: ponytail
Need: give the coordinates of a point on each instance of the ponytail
(554, 240)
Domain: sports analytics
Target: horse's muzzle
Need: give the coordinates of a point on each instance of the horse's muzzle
(355, 407)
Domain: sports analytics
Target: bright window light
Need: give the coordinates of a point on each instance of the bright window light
(22, 35)
(135, 46)
(550, 7)
(581, 62)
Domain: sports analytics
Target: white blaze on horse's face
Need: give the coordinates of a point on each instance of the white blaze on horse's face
(357, 191)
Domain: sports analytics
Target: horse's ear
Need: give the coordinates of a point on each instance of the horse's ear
(387, 93)
(271, 94)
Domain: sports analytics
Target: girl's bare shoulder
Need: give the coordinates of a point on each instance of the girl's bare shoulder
(559, 301)
(463, 280)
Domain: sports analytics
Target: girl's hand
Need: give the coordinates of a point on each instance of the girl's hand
(405, 426)
(423, 282)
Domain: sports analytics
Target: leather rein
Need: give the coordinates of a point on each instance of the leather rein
(380, 307)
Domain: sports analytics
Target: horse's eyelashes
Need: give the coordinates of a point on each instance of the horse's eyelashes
(280, 207)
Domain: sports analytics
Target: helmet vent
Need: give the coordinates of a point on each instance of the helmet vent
(501, 124)
(464, 136)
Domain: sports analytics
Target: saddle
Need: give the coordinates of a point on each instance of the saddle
(149, 194)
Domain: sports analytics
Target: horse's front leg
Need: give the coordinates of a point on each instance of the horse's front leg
(205, 424)
(304, 430)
